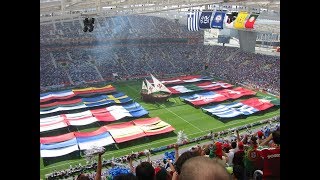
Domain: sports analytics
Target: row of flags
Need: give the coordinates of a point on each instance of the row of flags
(68, 94)
(54, 146)
(85, 103)
(105, 114)
(206, 19)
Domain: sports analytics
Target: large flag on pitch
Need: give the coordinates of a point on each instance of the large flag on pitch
(185, 79)
(153, 126)
(59, 148)
(117, 112)
(99, 137)
(240, 20)
(184, 88)
(56, 95)
(126, 131)
(251, 20)
(245, 107)
(273, 100)
(193, 21)
(217, 96)
(204, 20)
(204, 98)
(213, 85)
(54, 146)
(236, 93)
(217, 21)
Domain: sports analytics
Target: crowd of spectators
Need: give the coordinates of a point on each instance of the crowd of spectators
(118, 27)
(257, 70)
(243, 155)
(97, 63)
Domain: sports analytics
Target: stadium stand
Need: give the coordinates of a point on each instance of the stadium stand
(74, 116)
(258, 70)
(221, 148)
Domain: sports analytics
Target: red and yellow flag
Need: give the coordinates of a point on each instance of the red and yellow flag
(240, 20)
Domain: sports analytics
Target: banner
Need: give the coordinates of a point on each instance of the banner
(204, 20)
(240, 20)
(251, 20)
(230, 19)
(193, 21)
(217, 21)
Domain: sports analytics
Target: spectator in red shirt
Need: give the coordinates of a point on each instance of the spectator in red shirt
(252, 160)
(271, 157)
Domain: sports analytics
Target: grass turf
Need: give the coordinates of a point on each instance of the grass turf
(193, 121)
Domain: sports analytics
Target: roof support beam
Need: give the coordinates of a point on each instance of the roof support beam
(63, 6)
(98, 6)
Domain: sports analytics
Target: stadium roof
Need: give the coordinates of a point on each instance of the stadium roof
(73, 9)
(112, 7)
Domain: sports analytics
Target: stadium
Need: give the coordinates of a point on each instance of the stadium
(128, 82)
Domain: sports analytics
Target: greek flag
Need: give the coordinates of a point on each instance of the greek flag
(193, 21)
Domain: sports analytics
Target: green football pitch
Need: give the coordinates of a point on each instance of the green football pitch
(193, 121)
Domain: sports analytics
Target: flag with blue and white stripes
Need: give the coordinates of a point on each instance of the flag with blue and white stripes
(193, 21)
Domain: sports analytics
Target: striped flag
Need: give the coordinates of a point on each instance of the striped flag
(193, 21)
